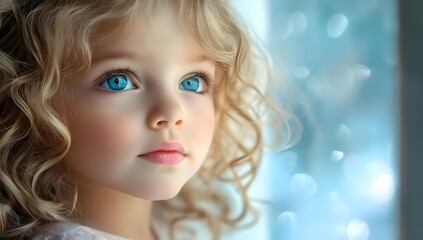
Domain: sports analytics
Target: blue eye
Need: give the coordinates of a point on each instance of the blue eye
(117, 82)
(192, 84)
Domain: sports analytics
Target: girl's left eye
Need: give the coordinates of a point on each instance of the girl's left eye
(193, 84)
(117, 82)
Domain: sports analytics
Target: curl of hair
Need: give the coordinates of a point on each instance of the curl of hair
(42, 44)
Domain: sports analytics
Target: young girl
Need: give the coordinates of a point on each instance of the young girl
(108, 106)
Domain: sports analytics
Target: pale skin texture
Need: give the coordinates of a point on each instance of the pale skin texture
(116, 187)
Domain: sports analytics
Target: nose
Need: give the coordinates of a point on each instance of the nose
(165, 113)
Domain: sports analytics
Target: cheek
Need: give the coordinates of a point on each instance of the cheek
(202, 128)
(100, 139)
(206, 126)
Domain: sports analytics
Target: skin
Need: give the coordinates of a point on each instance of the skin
(116, 187)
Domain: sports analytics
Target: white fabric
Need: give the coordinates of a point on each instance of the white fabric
(70, 231)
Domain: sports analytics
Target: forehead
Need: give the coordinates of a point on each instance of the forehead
(146, 34)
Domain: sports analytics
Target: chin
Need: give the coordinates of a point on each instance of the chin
(165, 197)
(160, 193)
(159, 196)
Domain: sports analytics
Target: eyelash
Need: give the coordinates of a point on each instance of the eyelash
(207, 78)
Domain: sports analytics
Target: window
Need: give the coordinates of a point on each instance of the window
(342, 181)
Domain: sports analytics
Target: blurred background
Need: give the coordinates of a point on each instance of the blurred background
(342, 180)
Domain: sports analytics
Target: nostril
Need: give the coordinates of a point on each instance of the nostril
(161, 123)
(165, 123)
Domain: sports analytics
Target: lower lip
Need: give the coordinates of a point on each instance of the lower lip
(164, 157)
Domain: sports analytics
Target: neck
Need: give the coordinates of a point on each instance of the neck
(114, 212)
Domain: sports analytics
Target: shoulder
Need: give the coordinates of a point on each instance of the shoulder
(64, 231)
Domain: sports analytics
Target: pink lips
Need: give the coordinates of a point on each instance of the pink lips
(167, 153)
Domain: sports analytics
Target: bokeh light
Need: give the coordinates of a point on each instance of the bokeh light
(341, 181)
(336, 25)
(358, 230)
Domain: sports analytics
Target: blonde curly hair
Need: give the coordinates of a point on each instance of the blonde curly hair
(42, 42)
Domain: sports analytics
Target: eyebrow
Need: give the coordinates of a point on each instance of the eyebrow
(198, 59)
(135, 57)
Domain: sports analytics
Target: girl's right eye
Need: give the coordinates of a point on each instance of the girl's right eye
(117, 83)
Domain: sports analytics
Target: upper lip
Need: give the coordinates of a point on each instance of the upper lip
(168, 147)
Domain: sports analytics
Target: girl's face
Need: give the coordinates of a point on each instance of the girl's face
(146, 90)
